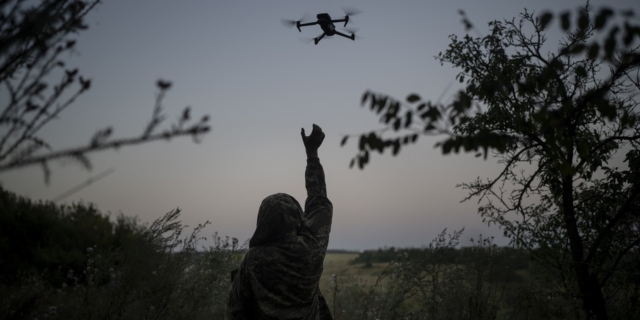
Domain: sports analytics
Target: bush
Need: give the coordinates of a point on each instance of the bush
(73, 262)
(45, 238)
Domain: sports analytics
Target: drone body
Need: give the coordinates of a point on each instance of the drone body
(327, 26)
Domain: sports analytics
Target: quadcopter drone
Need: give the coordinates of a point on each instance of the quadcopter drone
(325, 22)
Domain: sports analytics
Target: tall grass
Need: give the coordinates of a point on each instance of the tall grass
(430, 288)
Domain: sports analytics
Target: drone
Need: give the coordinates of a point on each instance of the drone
(327, 25)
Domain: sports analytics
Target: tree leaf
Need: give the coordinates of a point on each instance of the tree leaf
(413, 98)
(344, 140)
(602, 17)
(545, 19)
(583, 21)
(396, 147)
(397, 124)
(565, 21)
(593, 51)
(408, 119)
(365, 96)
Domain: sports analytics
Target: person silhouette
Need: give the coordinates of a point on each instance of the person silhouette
(279, 275)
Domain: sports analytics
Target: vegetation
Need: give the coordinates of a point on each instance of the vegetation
(130, 271)
(73, 262)
(554, 119)
(34, 35)
(37, 238)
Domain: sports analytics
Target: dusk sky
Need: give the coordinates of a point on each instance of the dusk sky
(235, 61)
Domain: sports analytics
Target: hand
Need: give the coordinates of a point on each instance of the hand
(313, 141)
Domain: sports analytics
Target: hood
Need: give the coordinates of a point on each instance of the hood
(280, 218)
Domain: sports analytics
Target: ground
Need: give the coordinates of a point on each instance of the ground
(339, 264)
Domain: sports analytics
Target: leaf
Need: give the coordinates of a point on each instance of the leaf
(577, 48)
(344, 140)
(397, 124)
(414, 138)
(629, 33)
(447, 146)
(365, 96)
(583, 21)
(602, 17)
(408, 119)
(581, 71)
(545, 19)
(353, 161)
(610, 43)
(396, 147)
(429, 127)
(362, 143)
(413, 98)
(565, 21)
(593, 51)
(421, 106)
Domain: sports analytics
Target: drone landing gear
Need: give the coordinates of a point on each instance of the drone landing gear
(319, 38)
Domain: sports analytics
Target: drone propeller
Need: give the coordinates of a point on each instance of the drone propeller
(348, 12)
(292, 23)
(354, 31)
(288, 23)
(351, 11)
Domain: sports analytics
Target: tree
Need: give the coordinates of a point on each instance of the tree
(554, 120)
(32, 40)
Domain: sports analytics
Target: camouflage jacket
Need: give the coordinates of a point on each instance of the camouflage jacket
(278, 277)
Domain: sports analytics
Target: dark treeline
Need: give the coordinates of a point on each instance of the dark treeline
(506, 261)
(39, 237)
(515, 259)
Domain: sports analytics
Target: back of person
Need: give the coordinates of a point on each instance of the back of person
(278, 277)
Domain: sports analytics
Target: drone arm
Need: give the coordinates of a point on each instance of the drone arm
(307, 24)
(352, 36)
(346, 20)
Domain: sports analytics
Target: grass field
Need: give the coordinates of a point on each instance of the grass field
(339, 264)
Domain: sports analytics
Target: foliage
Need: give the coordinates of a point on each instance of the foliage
(33, 38)
(158, 275)
(42, 237)
(554, 120)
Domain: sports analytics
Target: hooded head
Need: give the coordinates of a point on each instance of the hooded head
(280, 218)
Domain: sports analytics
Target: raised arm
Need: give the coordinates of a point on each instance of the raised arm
(318, 209)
